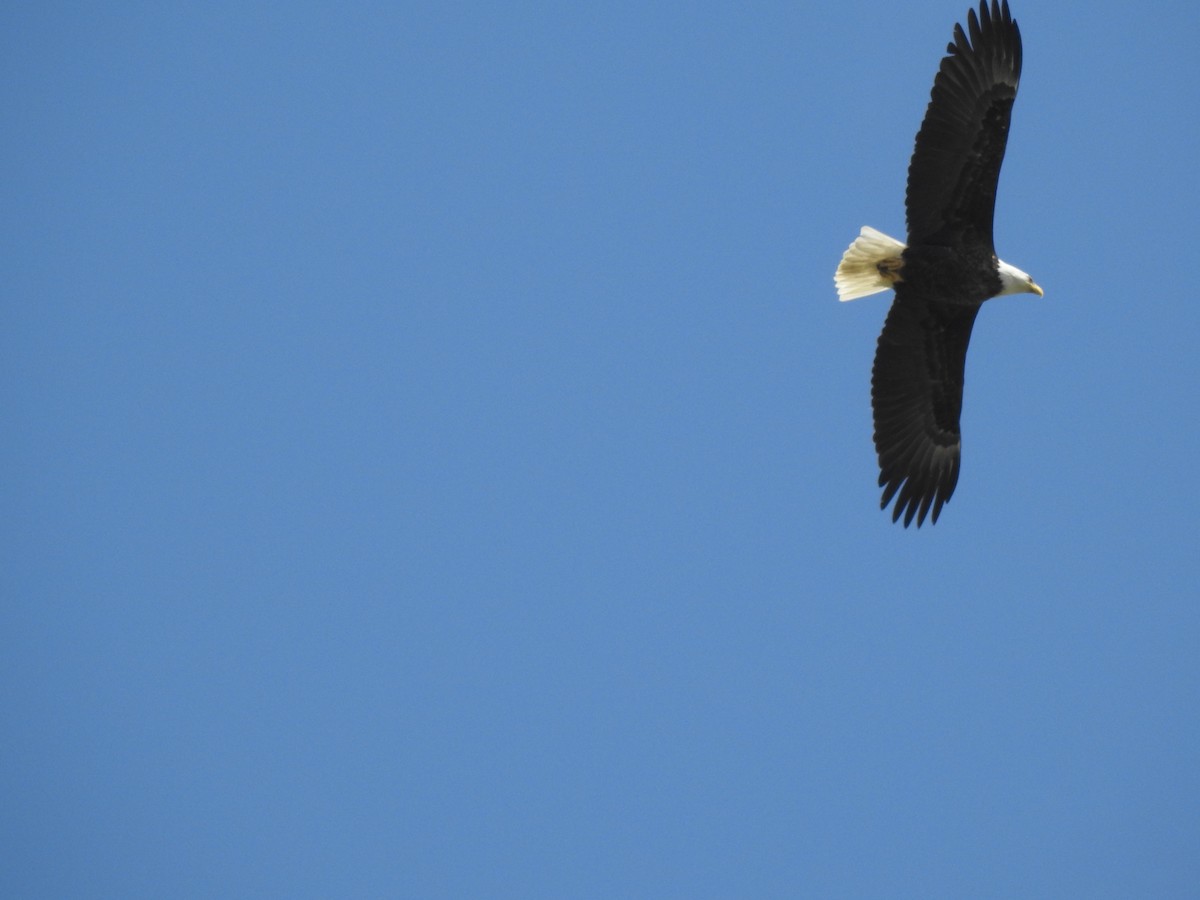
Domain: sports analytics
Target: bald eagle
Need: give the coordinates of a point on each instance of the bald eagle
(947, 268)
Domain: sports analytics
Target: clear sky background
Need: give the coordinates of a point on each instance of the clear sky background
(436, 464)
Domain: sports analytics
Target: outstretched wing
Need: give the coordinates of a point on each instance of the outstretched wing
(916, 395)
(956, 164)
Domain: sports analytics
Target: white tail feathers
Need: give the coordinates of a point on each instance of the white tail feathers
(870, 265)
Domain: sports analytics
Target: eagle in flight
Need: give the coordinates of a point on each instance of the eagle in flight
(947, 268)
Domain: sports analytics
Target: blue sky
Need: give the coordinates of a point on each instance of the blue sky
(437, 465)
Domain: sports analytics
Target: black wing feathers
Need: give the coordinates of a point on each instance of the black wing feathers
(956, 164)
(917, 382)
(916, 393)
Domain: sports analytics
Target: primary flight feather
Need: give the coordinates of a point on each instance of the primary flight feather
(947, 268)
